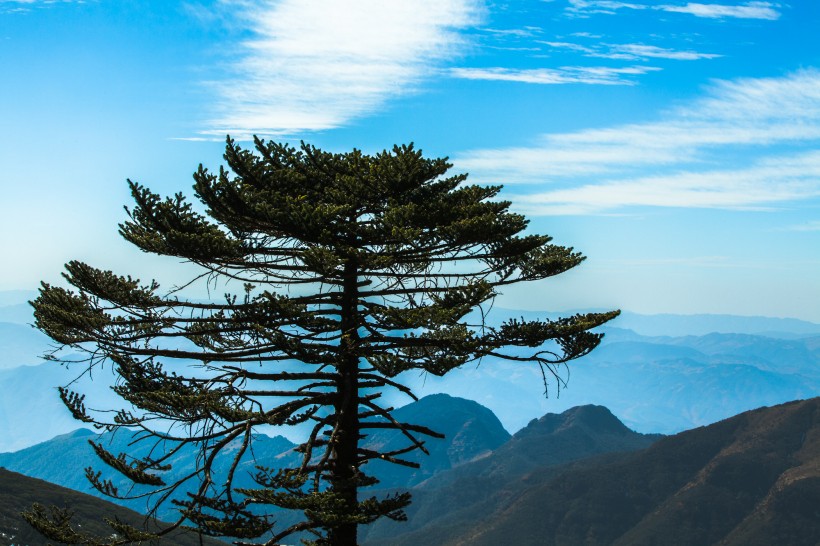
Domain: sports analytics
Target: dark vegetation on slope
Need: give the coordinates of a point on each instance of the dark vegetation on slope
(751, 480)
(449, 505)
(18, 493)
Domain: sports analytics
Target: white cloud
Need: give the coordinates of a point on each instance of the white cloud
(638, 51)
(631, 51)
(766, 183)
(596, 75)
(317, 65)
(747, 10)
(734, 121)
(808, 226)
(750, 10)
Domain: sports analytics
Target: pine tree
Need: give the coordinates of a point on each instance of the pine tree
(354, 269)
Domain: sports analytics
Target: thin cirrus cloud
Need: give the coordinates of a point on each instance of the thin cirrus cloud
(318, 65)
(698, 154)
(10, 6)
(593, 75)
(631, 51)
(762, 185)
(748, 10)
(807, 226)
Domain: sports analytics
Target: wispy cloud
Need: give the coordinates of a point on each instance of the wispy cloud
(593, 75)
(631, 51)
(318, 65)
(808, 226)
(747, 10)
(764, 184)
(734, 121)
(12, 6)
(750, 10)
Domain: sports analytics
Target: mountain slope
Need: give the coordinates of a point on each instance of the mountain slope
(753, 479)
(30, 407)
(18, 493)
(62, 460)
(449, 503)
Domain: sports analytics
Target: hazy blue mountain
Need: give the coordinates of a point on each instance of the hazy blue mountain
(62, 460)
(702, 324)
(16, 297)
(22, 313)
(667, 324)
(472, 431)
(653, 383)
(30, 407)
(21, 345)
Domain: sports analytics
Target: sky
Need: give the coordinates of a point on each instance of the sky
(674, 143)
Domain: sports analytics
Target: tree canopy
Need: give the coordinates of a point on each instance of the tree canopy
(350, 269)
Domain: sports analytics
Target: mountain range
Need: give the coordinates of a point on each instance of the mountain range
(472, 431)
(449, 504)
(579, 477)
(655, 383)
(751, 480)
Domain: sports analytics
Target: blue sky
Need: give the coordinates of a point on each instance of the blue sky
(674, 143)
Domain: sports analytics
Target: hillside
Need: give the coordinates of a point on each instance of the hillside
(18, 493)
(753, 479)
(451, 502)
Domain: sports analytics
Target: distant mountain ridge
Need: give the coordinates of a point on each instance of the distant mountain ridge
(21, 345)
(653, 384)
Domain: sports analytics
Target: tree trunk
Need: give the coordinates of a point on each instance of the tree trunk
(345, 467)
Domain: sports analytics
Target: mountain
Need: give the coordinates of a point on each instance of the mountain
(21, 345)
(703, 324)
(16, 297)
(653, 384)
(471, 431)
(677, 325)
(18, 493)
(30, 407)
(451, 502)
(62, 461)
(685, 378)
(750, 480)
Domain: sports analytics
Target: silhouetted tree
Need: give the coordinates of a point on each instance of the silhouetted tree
(354, 269)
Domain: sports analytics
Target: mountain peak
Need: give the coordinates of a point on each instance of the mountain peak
(590, 418)
(471, 431)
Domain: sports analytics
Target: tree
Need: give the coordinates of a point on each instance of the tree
(354, 269)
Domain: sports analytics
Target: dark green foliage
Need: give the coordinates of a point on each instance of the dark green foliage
(354, 269)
